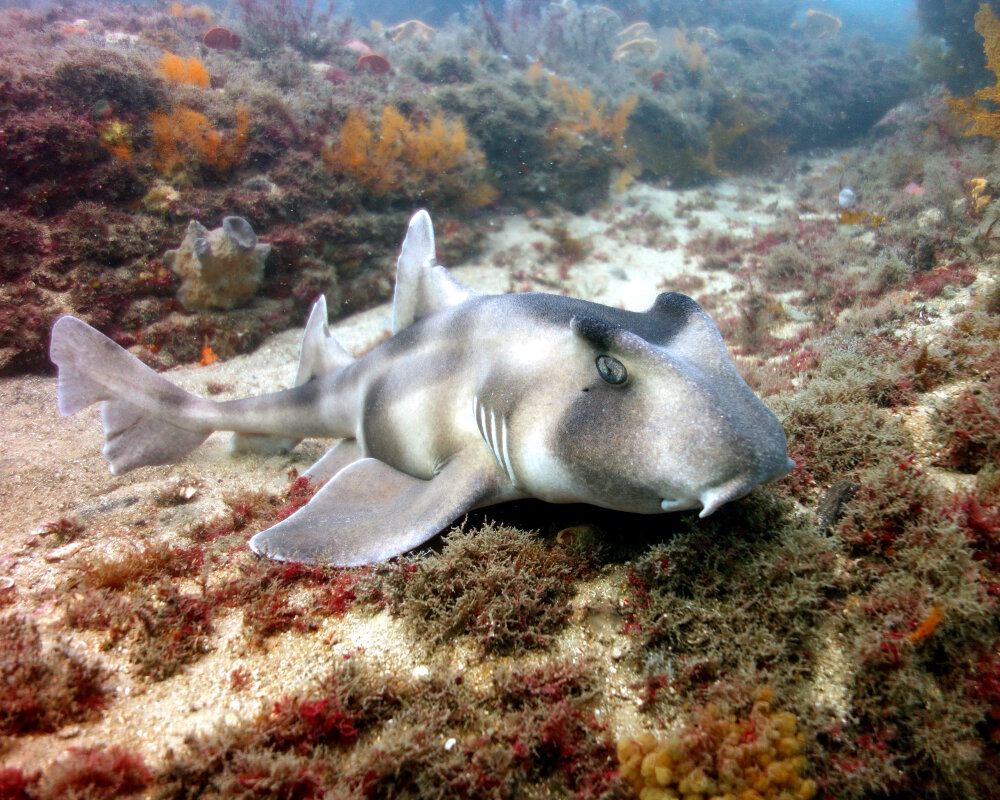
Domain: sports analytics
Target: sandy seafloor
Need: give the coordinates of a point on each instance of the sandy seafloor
(51, 467)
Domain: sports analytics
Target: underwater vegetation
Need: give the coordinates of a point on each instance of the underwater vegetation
(978, 112)
(411, 737)
(181, 115)
(954, 48)
(517, 602)
(427, 161)
(183, 70)
(94, 773)
(185, 143)
(43, 688)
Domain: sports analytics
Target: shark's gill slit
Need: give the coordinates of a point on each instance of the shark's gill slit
(476, 409)
(495, 442)
(508, 466)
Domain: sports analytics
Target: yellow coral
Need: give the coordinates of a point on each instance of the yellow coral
(413, 30)
(820, 25)
(430, 154)
(644, 48)
(184, 139)
(722, 756)
(183, 70)
(637, 30)
(979, 112)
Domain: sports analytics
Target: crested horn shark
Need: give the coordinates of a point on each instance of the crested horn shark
(475, 399)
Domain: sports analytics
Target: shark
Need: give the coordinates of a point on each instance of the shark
(475, 399)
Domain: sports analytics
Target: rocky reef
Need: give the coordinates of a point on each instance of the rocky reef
(121, 127)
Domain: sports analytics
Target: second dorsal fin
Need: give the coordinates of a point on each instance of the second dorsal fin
(319, 353)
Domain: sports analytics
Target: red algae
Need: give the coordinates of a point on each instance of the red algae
(42, 690)
(95, 773)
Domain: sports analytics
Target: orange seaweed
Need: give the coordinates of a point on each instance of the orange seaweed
(927, 627)
(208, 356)
(184, 139)
(583, 116)
(183, 70)
(429, 154)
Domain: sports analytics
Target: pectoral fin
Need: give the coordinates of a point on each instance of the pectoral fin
(370, 512)
(344, 452)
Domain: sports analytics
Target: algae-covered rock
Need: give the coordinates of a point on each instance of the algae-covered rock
(222, 268)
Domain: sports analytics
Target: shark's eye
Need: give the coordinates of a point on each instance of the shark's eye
(612, 370)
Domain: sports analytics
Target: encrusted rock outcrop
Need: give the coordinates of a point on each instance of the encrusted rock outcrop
(221, 268)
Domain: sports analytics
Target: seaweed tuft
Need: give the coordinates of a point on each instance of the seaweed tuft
(503, 586)
(95, 773)
(43, 689)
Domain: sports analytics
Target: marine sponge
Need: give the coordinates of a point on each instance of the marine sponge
(722, 756)
(222, 268)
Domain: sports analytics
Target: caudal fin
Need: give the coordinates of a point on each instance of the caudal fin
(146, 418)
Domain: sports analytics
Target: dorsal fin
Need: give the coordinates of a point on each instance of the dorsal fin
(422, 285)
(320, 352)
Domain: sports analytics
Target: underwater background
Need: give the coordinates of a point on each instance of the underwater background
(820, 177)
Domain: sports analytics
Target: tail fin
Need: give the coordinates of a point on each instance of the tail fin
(136, 400)
(319, 353)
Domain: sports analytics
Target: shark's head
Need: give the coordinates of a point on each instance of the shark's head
(646, 413)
